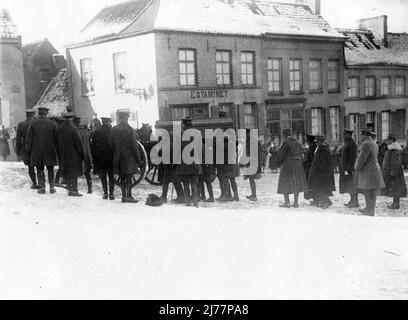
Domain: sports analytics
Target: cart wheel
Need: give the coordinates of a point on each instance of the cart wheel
(143, 167)
(153, 175)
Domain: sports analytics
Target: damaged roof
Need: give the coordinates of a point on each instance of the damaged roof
(8, 30)
(238, 17)
(363, 48)
(56, 96)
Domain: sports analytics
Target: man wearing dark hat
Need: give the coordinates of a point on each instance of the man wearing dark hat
(348, 181)
(321, 176)
(71, 154)
(292, 178)
(393, 172)
(126, 155)
(102, 156)
(42, 148)
(21, 145)
(188, 173)
(85, 135)
(369, 176)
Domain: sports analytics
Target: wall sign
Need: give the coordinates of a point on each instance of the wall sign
(208, 94)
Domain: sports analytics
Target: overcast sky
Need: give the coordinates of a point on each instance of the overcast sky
(60, 20)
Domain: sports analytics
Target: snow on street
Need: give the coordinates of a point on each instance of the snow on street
(55, 247)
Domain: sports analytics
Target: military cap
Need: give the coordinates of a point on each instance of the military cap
(310, 137)
(320, 138)
(123, 111)
(68, 115)
(106, 119)
(348, 131)
(366, 131)
(30, 111)
(287, 132)
(392, 136)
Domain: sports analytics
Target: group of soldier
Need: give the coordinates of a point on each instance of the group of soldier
(115, 156)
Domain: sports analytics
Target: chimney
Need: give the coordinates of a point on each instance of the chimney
(378, 25)
(59, 61)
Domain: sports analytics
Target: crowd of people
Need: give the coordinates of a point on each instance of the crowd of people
(114, 155)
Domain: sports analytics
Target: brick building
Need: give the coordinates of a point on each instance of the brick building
(262, 64)
(376, 78)
(12, 96)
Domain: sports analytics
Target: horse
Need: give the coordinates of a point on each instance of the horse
(145, 132)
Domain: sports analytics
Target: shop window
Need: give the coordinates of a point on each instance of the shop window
(250, 116)
(370, 86)
(400, 86)
(196, 112)
(317, 123)
(385, 86)
(87, 78)
(385, 124)
(247, 68)
(226, 109)
(280, 119)
(295, 75)
(187, 66)
(224, 67)
(353, 87)
(335, 124)
(333, 75)
(275, 75)
(315, 75)
(121, 68)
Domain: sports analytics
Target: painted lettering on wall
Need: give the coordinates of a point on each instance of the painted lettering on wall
(208, 94)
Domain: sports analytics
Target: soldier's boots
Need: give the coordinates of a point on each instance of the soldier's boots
(105, 196)
(31, 173)
(74, 188)
(111, 197)
(41, 182)
(89, 182)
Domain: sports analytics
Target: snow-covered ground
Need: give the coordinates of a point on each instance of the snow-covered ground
(55, 247)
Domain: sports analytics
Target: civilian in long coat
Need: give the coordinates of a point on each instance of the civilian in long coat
(321, 176)
(393, 172)
(71, 154)
(369, 176)
(102, 156)
(348, 180)
(292, 178)
(85, 135)
(126, 155)
(189, 173)
(21, 146)
(42, 148)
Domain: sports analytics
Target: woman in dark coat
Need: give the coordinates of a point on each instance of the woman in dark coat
(393, 173)
(321, 177)
(71, 154)
(292, 179)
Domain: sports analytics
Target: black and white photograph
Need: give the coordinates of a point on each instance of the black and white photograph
(203, 150)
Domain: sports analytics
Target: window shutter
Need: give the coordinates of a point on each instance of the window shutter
(308, 121)
(326, 123)
(362, 120)
(261, 118)
(379, 126)
(342, 122)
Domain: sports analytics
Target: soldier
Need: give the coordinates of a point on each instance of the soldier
(85, 135)
(369, 176)
(307, 165)
(292, 178)
(21, 146)
(71, 152)
(102, 156)
(189, 173)
(42, 148)
(321, 176)
(126, 155)
(393, 172)
(348, 181)
(260, 160)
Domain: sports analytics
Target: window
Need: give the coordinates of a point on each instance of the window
(315, 75)
(354, 87)
(248, 68)
(333, 76)
(226, 109)
(87, 76)
(249, 116)
(120, 65)
(354, 124)
(44, 75)
(400, 86)
(371, 121)
(385, 86)
(223, 65)
(187, 65)
(295, 75)
(280, 119)
(275, 75)
(317, 121)
(385, 124)
(335, 123)
(370, 86)
(199, 111)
